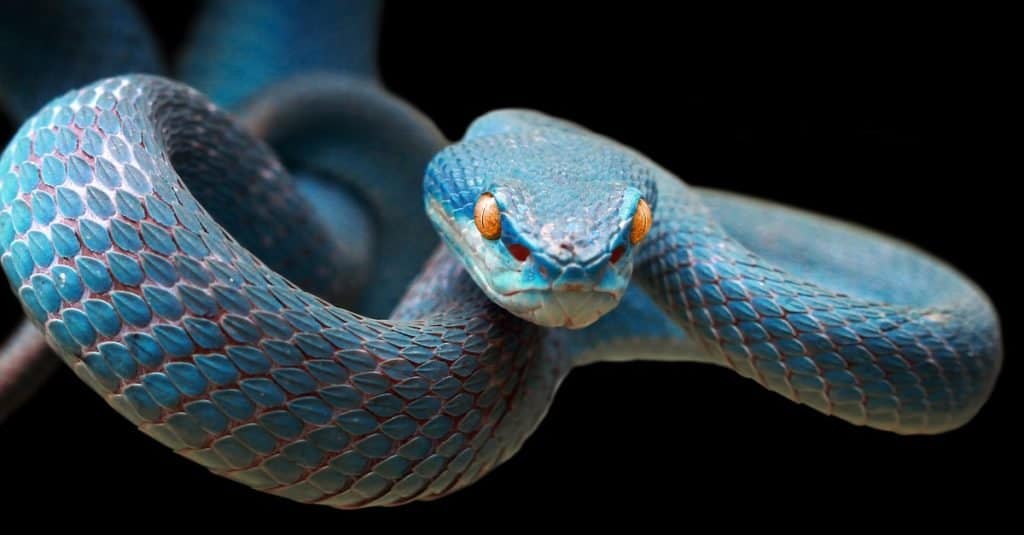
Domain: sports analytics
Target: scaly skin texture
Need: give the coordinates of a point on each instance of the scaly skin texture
(207, 350)
(309, 89)
(53, 47)
(191, 337)
(859, 326)
(909, 367)
(303, 76)
(220, 350)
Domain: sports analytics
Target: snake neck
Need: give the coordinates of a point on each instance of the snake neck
(902, 366)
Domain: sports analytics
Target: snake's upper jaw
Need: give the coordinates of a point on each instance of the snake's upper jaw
(572, 302)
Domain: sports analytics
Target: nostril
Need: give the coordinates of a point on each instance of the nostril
(617, 253)
(519, 252)
(567, 246)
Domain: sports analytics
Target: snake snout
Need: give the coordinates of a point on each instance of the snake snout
(577, 295)
(573, 279)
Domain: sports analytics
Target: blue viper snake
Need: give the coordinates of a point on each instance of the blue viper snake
(185, 254)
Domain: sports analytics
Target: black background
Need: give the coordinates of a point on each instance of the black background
(885, 119)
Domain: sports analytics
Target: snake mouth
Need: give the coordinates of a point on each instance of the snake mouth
(574, 289)
(571, 309)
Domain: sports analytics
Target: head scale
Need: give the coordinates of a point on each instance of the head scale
(546, 220)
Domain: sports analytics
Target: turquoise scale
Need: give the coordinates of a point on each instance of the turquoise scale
(194, 325)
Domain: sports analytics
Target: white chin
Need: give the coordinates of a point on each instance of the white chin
(571, 310)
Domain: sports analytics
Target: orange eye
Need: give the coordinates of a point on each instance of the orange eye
(487, 217)
(641, 222)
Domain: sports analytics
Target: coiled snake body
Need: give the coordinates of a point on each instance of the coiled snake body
(166, 254)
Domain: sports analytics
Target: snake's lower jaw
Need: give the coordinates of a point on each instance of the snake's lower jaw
(566, 309)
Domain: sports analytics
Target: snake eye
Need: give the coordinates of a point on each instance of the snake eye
(641, 222)
(487, 217)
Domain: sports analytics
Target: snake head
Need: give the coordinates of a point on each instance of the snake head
(546, 221)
